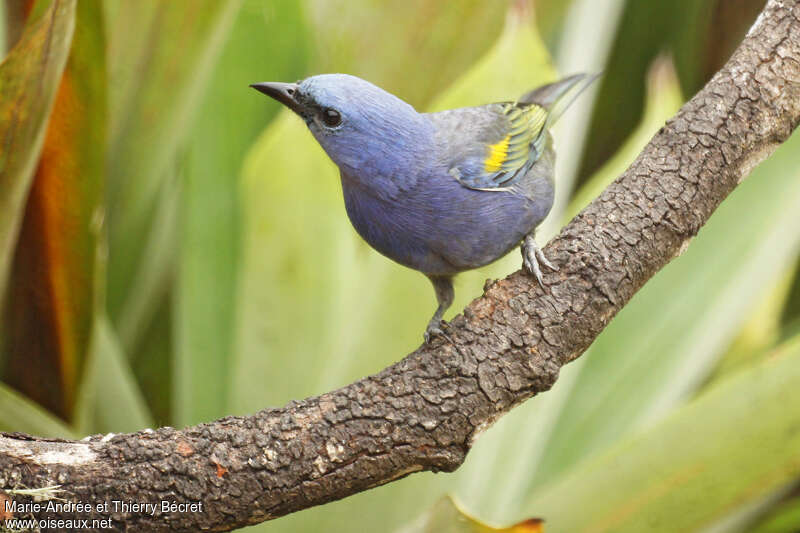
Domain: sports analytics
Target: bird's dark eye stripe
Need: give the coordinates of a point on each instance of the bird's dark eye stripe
(331, 117)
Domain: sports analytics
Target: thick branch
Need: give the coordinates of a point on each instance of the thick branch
(424, 412)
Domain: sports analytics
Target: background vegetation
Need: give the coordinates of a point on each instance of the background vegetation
(173, 248)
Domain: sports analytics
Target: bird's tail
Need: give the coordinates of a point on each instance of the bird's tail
(556, 97)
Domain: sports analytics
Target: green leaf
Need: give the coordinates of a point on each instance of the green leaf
(663, 100)
(790, 315)
(704, 42)
(109, 399)
(161, 56)
(156, 271)
(761, 331)
(51, 296)
(29, 77)
(446, 516)
(550, 18)
(517, 63)
(733, 444)
(18, 413)
(416, 48)
(643, 33)
(261, 47)
(145, 329)
(699, 34)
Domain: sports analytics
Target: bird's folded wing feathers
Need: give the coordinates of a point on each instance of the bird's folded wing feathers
(508, 138)
(502, 159)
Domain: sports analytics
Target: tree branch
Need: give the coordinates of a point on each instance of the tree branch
(424, 412)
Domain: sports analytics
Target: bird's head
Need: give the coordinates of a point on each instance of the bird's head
(363, 128)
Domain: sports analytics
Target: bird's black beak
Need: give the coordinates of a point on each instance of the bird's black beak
(283, 92)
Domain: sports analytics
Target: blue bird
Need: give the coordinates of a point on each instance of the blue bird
(437, 192)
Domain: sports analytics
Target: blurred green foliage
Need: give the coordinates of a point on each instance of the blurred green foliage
(176, 249)
(700, 35)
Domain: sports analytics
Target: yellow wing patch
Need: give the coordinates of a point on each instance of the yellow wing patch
(497, 155)
(514, 150)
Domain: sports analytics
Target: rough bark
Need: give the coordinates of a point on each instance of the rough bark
(424, 412)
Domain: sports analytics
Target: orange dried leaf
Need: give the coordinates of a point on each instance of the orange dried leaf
(29, 77)
(51, 294)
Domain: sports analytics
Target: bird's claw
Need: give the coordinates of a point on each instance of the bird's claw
(436, 329)
(532, 256)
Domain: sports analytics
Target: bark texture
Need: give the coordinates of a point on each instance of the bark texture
(424, 412)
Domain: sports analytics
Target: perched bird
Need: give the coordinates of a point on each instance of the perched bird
(437, 192)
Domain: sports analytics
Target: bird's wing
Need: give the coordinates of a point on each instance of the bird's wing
(492, 146)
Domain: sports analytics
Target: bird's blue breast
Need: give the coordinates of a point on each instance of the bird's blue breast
(437, 226)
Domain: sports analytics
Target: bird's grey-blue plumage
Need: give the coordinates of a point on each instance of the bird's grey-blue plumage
(437, 192)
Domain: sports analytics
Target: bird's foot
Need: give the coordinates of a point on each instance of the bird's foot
(532, 255)
(436, 328)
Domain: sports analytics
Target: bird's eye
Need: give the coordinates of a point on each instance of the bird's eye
(331, 117)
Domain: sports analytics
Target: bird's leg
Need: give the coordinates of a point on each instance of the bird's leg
(443, 285)
(532, 255)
